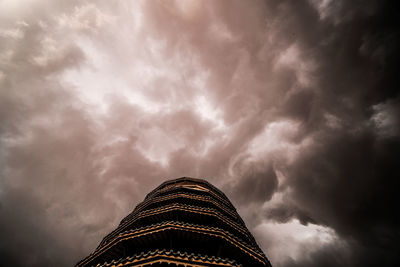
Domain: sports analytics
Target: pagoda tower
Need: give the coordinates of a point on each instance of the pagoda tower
(183, 222)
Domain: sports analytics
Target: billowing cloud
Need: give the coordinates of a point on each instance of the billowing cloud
(290, 107)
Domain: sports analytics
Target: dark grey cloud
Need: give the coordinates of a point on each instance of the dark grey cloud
(255, 183)
(290, 107)
(346, 179)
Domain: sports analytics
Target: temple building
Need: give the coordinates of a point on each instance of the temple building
(183, 222)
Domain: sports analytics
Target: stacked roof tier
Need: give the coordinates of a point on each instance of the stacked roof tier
(183, 222)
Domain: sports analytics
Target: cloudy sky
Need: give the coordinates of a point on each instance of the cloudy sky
(291, 107)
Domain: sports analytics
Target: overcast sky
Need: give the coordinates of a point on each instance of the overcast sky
(290, 107)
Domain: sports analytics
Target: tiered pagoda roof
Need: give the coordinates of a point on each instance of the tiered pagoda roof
(183, 222)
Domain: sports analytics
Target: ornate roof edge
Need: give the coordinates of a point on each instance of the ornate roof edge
(189, 208)
(171, 256)
(187, 196)
(185, 178)
(213, 231)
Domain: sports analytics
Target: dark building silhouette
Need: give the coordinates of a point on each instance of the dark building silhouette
(183, 222)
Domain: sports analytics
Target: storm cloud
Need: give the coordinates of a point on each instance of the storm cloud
(290, 107)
